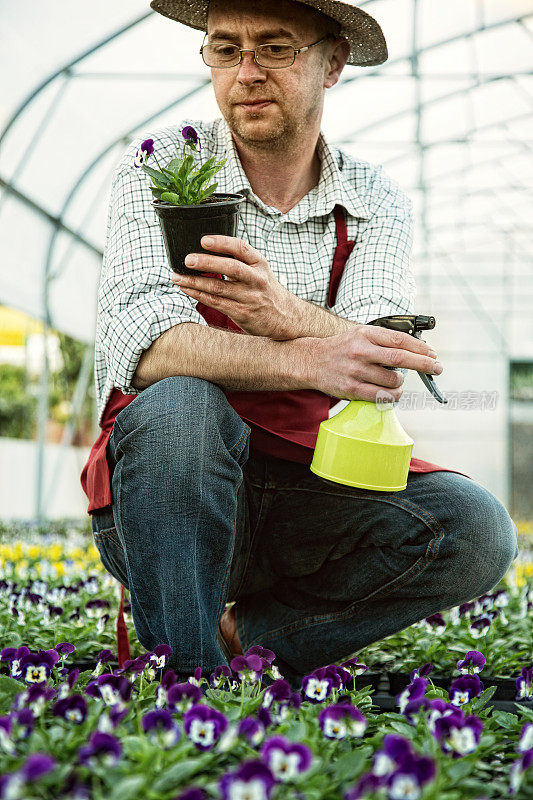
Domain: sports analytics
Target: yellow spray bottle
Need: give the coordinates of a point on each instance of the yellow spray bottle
(364, 445)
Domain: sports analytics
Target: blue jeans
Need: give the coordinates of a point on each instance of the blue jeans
(318, 570)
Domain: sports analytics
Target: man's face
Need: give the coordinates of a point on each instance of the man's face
(296, 93)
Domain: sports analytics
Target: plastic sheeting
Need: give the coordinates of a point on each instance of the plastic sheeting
(449, 116)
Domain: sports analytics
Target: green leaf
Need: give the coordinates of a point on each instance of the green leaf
(351, 764)
(186, 166)
(9, 688)
(177, 774)
(208, 191)
(172, 197)
(483, 699)
(459, 770)
(505, 719)
(128, 788)
(161, 180)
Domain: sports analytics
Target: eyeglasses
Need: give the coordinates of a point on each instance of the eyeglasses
(271, 56)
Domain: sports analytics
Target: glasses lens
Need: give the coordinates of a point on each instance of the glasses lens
(220, 55)
(275, 55)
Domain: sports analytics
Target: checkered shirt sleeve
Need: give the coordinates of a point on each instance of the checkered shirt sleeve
(377, 280)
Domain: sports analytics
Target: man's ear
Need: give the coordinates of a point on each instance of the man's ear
(339, 54)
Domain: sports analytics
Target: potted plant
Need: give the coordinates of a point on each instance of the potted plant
(186, 202)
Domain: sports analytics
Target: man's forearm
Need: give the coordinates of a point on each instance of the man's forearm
(234, 361)
(308, 319)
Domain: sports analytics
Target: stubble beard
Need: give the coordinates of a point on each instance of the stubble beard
(281, 134)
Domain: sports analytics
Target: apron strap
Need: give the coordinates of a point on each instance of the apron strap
(341, 255)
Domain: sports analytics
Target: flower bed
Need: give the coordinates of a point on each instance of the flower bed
(242, 733)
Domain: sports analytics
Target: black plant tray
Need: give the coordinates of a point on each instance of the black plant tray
(386, 702)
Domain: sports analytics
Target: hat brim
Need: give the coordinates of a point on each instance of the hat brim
(367, 41)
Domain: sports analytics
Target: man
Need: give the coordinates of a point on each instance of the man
(199, 485)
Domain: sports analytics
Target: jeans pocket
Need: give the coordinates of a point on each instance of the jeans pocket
(108, 544)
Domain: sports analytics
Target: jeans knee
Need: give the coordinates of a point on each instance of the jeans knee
(487, 541)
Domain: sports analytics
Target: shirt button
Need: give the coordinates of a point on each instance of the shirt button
(283, 280)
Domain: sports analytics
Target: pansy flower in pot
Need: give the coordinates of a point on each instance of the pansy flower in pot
(185, 200)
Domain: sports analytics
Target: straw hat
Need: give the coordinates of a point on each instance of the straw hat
(367, 42)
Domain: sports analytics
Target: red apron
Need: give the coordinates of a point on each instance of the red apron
(283, 424)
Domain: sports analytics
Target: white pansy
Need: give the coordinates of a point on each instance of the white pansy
(202, 732)
(526, 740)
(316, 689)
(383, 765)
(459, 698)
(283, 765)
(74, 715)
(109, 695)
(35, 674)
(228, 739)
(463, 740)
(404, 787)
(334, 728)
(5, 742)
(356, 727)
(248, 790)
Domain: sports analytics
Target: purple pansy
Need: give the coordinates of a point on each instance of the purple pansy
(160, 655)
(394, 749)
(439, 708)
(37, 667)
(144, 151)
(435, 623)
(248, 668)
(169, 679)
(72, 708)
(64, 648)
(353, 667)
(252, 729)
(278, 692)
(264, 653)
(421, 672)
(161, 728)
(524, 683)
(517, 770)
(473, 662)
(113, 689)
(458, 734)
(253, 779)
(102, 748)
(340, 720)
(526, 738)
(221, 674)
(35, 697)
(182, 696)
(286, 759)
(464, 689)
(319, 684)
(204, 726)
(480, 626)
(191, 136)
(407, 781)
(412, 692)
(35, 766)
(13, 655)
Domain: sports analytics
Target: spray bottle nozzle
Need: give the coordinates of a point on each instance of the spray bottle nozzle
(413, 324)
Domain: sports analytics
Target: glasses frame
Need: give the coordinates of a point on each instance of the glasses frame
(241, 50)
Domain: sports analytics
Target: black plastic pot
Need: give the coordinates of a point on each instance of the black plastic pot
(505, 687)
(399, 680)
(183, 226)
(368, 679)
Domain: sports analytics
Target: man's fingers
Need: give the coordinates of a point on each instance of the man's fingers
(394, 357)
(397, 339)
(231, 245)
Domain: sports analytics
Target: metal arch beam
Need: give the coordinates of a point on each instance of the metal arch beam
(105, 151)
(499, 24)
(66, 69)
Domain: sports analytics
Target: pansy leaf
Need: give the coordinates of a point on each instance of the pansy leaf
(128, 788)
(177, 774)
(186, 166)
(160, 180)
(209, 190)
(350, 764)
(172, 197)
(9, 688)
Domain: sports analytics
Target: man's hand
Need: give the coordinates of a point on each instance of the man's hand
(251, 295)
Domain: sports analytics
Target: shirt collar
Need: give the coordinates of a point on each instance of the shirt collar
(332, 188)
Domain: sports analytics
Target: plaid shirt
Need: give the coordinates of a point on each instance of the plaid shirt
(137, 300)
